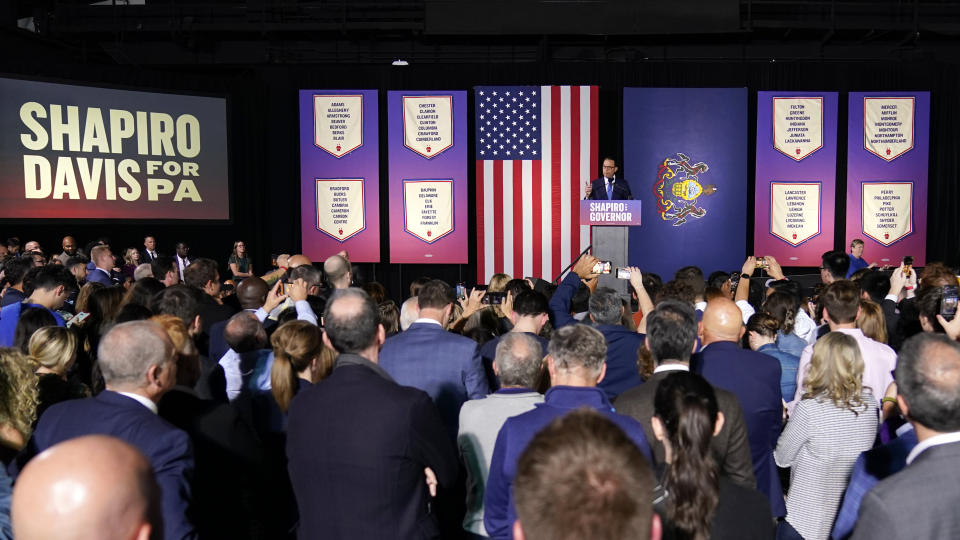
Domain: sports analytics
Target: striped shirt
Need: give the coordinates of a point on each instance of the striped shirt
(820, 444)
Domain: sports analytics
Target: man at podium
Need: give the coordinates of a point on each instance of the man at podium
(608, 186)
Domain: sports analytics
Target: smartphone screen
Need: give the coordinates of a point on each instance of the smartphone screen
(948, 303)
(602, 267)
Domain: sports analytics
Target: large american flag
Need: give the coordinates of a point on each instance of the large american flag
(536, 148)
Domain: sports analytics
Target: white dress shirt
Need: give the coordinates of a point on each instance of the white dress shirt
(936, 440)
(142, 400)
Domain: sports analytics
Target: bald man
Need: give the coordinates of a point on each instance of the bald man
(256, 297)
(755, 379)
(92, 487)
(338, 271)
(138, 362)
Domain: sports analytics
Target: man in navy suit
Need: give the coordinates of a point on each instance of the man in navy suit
(365, 454)
(138, 363)
(102, 259)
(576, 363)
(444, 365)
(606, 312)
(608, 186)
(755, 379)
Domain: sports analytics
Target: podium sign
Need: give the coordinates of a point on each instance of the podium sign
(611, 221)
(605, 212)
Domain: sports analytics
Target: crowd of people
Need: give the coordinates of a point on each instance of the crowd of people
(143, 396)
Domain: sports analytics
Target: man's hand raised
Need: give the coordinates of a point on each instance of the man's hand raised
(298, 290)
(274, 298)
(584, 267)
(773, 267)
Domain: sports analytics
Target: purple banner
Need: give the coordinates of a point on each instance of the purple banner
(427, 142)
(594, 212)
(888, 154)
(796, 176)
(339, 174)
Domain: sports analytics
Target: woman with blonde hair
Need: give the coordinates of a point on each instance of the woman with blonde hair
(834, 421)
(18, 402)
(299, 360)
(131, 260)
(54, 350)
(872, 322)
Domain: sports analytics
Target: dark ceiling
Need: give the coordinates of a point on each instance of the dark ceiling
(516, 31)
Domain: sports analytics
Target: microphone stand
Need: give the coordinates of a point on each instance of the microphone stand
(569, 266)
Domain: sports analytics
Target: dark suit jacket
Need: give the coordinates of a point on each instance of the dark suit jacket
(622, 344)
(218, 345)
(892, 318)
(755, 379)
(211, 313)
(98, 276)
(357, 445)
(145, 257)
(110, 413)
(231, 499)
(621, 190)
(444, 365)
(731, 447)
(918, 502)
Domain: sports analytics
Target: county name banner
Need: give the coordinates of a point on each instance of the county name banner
(887, 159)
(685, 157)
(339, 174)
(75, 152)
(796, 176)
(536, 147)
(428, 176)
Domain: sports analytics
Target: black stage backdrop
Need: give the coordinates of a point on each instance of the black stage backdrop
(264, 161)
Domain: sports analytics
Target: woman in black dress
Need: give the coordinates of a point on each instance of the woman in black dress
(54, 349)
(694, 501)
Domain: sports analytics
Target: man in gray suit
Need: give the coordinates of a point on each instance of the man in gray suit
(671, 338)
(921, 501)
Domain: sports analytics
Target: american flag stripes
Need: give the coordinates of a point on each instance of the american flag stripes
(536, 148)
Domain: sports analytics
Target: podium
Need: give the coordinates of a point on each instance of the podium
(610, 223)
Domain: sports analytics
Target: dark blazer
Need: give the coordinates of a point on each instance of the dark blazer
(230, 484)
(892, 318)
(741, 513)
(218, 345)
(755, 379)
(918, 502)
(110, 413)
(621, 190)
(622, 344)
(731, 447)
(516, 434)
(99, 276)
(357, 445)
(211, 313)
(145, 256)
(444, 365)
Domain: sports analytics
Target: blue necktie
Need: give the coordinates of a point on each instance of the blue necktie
(609, 189)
